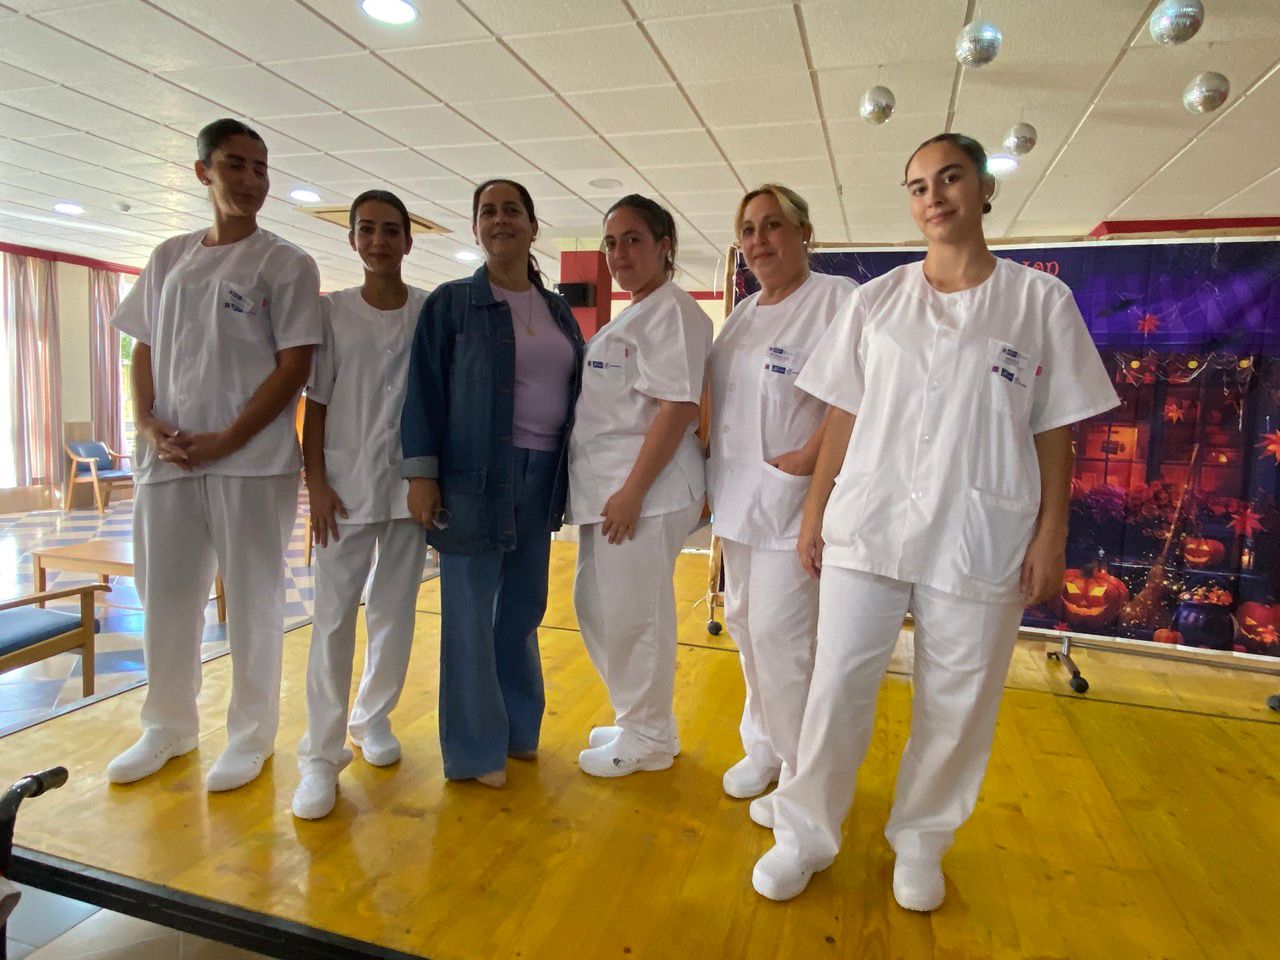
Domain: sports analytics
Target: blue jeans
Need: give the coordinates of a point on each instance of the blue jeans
(491, 696)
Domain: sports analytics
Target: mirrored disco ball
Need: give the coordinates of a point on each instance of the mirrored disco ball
(877, 105)
(1206, 93)
(978, 43)
(1021, 139)
(1176, 21)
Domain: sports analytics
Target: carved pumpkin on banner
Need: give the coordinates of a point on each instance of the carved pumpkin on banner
(1167, 636)
(1092, 599)
(1258, 625)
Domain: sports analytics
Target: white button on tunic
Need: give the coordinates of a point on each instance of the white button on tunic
(1006, 360)
(360, 373)
(652, 351)
(757, 413)
(215, 318)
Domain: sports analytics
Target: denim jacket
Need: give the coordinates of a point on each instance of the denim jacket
(458, 414)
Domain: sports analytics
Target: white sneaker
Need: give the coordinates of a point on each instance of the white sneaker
(234, 769)
(779, 877)
(761, 811)
(599, 736)
(918, 884)
(316, 795)
(746, 778)
(149, 753)
(618, 758)
(378, 747)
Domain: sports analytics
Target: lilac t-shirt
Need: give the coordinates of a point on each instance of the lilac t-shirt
(544, 370)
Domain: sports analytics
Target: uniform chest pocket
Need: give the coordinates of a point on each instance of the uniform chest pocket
(781, 366)
(243, 311)
(1011, 376)
(609, 367)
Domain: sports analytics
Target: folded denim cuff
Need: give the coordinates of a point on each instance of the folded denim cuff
(428, 467)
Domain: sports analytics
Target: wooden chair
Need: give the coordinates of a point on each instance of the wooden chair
(92, 461)
(28, 636)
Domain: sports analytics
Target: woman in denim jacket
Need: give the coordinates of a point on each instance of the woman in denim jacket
(494, 374)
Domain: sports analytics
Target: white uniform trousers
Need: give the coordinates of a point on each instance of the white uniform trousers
(626, 605)
(184, 530)
(962, 652)
(342, 568)
(771, 610)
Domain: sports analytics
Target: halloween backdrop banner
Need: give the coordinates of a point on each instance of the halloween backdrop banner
(1175, 526)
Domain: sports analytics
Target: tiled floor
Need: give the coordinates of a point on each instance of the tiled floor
(47, 927)
(33, 693)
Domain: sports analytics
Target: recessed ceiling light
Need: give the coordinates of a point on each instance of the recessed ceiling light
(304, 195)
(467, 256)
(69, 208)
(1001, 164)
(605, 183)
(397, 12)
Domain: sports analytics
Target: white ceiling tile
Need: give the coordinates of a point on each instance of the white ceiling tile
(264, 29)
(567, 60)
(248, 90)
(439, 21)
(25, 155)
(392, 164)
(922, 87)
(764, 142)
(354, 81)
(86, 146)
(784, 99)
(11, 78)
(667, 149)
(22, 126)
(432, 126)
(507, 17)
(314, 168)
(697, 50)
(880, 170)
(710, 176)
(117, 28)
(707, 203)
(882, 31)
(562, 210)
(578, 153)
(541, 186)
(531, 118)
(465, 72)
(480, 161)
(331, 131)
(901, 135)
(1236, 20)
(654, 9)
(629, 180)
(450, 189)
(78, 111)
(797, 174)
(1258, 199)
(158, 100)
(39, 49)
(636, 110)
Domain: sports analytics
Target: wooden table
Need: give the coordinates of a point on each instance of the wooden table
(106, 558)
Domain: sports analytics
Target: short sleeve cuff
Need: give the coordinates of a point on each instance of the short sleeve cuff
(1065, 419)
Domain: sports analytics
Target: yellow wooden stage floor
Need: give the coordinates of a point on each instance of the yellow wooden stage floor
(1107, 829)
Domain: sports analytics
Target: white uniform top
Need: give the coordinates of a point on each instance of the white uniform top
(359, 373)
(941, 485)
(757, 413)
(653, 350)
(214, 318)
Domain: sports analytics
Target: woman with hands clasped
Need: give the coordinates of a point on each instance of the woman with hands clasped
(953, 383)
(636, 485)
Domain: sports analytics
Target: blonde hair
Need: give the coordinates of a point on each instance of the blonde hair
(794, 207)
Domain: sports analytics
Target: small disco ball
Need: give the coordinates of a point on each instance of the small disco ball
(1176, 21)
(1206, 93)
(877, 105)
(1021, 139)
(978, 43)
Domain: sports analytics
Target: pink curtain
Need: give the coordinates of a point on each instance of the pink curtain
(31, 328)
(104, 357)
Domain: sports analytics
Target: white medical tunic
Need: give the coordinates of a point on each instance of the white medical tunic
(940, 484)
(757, 413)
(652, 351)
(359, 373)
(215, 318)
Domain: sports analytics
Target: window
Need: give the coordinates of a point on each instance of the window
(126, 381)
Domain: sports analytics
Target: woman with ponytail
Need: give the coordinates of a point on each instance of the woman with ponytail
(493, 377)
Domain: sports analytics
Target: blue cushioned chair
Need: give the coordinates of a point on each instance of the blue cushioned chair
(28, 636)
(92, 461)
